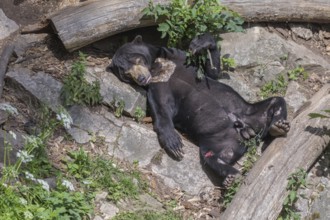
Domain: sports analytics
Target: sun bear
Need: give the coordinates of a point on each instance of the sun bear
(212, 114)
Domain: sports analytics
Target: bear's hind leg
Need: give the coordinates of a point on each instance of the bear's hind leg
(220, 155)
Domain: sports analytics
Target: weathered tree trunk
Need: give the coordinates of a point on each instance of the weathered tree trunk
(92, 21)
(262, 194)
(89, 22)
(317, 11)
(4, 59)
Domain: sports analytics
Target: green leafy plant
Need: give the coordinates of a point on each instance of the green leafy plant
(102, 173)
(148, 215)
(119, 107)
(251, 155)
(30, 196)
(76, 90)
(274, 87)
(296, 73)
(296, 181)
(139, 114)
(182, 21)
(228, 63)
(231, 191)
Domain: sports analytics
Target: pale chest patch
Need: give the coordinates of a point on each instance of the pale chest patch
(162, 70)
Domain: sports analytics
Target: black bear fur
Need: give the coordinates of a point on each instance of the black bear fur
(215, 116)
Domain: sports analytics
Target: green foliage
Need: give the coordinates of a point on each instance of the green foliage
(76, 90)
(251, 155)
(29, 196)
(139, 114)
(296, 73)
(296, 181)
(199, 61)
(102, 173)
(148, 215)
(182, 21)
(318, 115)
(119, 107)
(274, 87)
(228, 63)
(231, 191)
(280, 84)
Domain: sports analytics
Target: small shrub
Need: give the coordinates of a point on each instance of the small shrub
(76, 90)
(25, 195)
(231, 191)
(296, 181)
(139, 114)
(228, 63)
(119, 107)
(182, 21)
(102, 173)
(148, 215)
(296, 73)
(274, 87)
(251, 155)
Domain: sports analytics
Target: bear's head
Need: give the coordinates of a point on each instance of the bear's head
(132, 62)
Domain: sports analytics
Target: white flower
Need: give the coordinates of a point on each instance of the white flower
(28, 215)
(24, 156)
(8, 108)
(87, 182)
(29, 176)
(68, 185)
(12, 134)
(23, 201)
(43, 184)
(33, 141)
(65, 118)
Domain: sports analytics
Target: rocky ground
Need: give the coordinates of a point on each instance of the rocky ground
(261, 54)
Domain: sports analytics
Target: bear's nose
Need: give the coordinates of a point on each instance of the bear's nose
(141, 79)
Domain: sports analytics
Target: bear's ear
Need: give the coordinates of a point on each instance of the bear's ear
(137, 39)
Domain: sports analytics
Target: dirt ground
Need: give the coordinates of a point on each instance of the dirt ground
(50, 57)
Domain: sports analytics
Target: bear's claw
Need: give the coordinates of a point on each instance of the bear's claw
(279, 128)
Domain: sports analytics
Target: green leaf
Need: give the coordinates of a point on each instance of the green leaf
(163, 27)
(317, 115)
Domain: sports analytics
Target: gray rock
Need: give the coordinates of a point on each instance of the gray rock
(294, 97)
(42, 86)
(88, 124)
(301, 31)
(12, 142)
(108, 210)
(264, 55)
(136, 143)
(113, 90)
(3, 116)
(321, 206)
(142, 203)
(186, 174)
(149, 201)
(7, 26)
(97, 217)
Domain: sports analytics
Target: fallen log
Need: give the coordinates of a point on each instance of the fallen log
(4, 59)
(263, 191)
(91, 21)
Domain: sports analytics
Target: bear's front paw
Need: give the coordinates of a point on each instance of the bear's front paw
(279, 128)
(172, 144)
